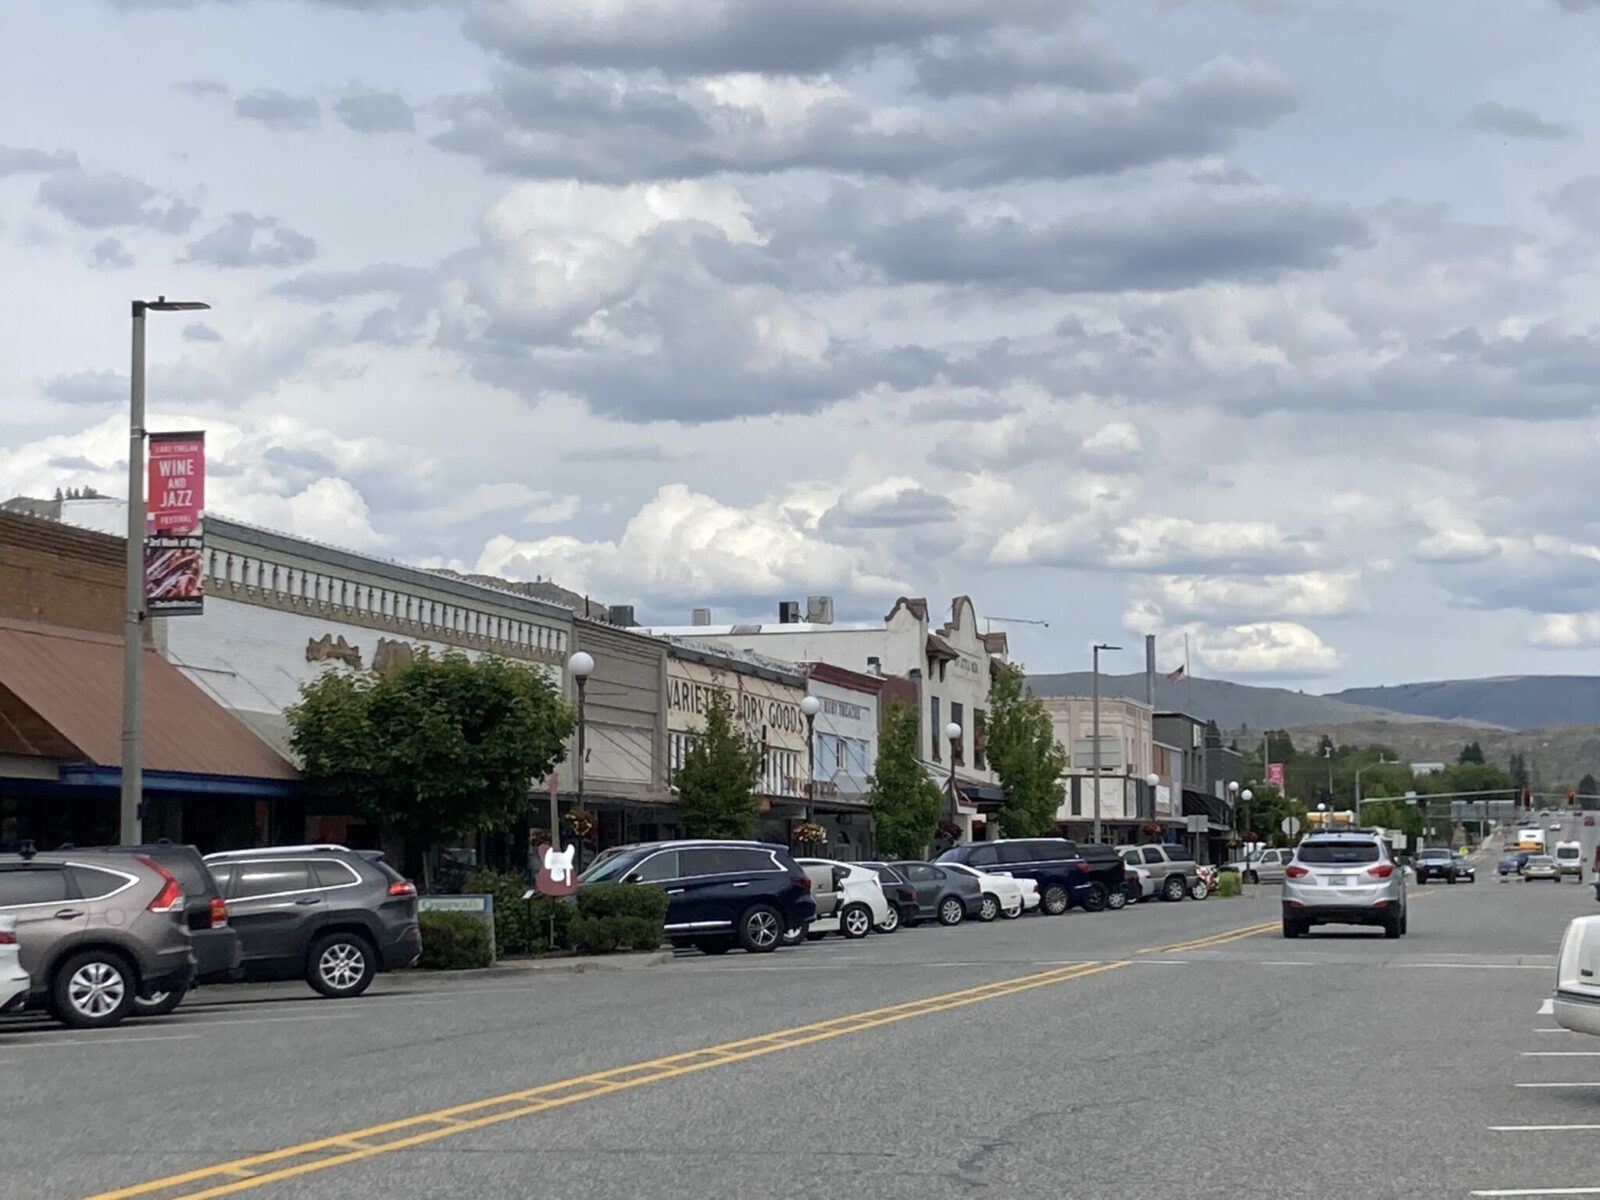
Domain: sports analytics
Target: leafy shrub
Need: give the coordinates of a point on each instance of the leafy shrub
(1228, 884)
(523, 926)
(619, 916)
(454, 941)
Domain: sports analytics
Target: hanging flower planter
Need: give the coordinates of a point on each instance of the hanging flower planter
(949, 831)
(810, 833)
(579, 823)
(1150, 829)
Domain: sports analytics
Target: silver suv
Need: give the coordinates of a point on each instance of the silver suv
(1172, 869)
(95, 932)
(1344, 879)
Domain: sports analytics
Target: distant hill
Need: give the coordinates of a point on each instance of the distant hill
(1231, 705)
(1512, 701)
(1558, 755)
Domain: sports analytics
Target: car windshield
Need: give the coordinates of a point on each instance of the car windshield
(608, 867)
(1338, 853)
(1431, 855)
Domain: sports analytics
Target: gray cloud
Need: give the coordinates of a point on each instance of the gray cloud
(200, 332)
(899, 510)
(377, 279)
(109, 253)
(1580, 6)
(542, 128)
(21, 160)
(627, 452)
(1578, 200)
(956, 67)
(88, 389)
(1494, 117)
(367, 111)
(103, 200)
(75, 462)
(719, 36)
(278, 110)
(246, 240)
(202, 88)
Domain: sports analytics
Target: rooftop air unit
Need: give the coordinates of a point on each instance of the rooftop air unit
(788, 612)
(700, 616)
(621, 614)
(819, 610)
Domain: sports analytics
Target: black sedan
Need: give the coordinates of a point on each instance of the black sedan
(1465, 871)
(1436, 862)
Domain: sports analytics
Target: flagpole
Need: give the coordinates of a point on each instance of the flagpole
(1188, 679)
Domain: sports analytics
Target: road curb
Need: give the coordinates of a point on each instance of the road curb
(512, 968)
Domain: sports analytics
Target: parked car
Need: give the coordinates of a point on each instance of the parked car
(94, 933)
(1465, 871)
(14, 982)
(217, 953)
(1004, 895)
(1541, 866)
(1139, 884)
(1065, 877)
(332, 916)
(902, 896)
(1569, 857)
(1266, 866)
(855, 903)
(1175, 871)
(948, 897)
(1576, 1003)
(1512, 864)
(720, 894)
(1343, 879)
(1435, 862)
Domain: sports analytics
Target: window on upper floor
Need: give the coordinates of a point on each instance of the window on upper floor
(938, 729)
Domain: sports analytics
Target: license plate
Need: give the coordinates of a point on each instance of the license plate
(1338, 881)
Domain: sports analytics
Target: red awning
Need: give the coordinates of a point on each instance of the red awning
(61, 695)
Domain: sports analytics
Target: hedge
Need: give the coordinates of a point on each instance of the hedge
(523, 926)
(454, 941)
(1228, 884)
(619, 916)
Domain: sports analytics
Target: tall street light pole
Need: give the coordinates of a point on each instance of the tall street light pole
(810, 707)
(1095, 752)
(580, 665)
(131, 825)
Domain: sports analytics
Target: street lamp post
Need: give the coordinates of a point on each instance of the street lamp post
(131, 825)
(952, 733)
(1094, 753)
(1238, 827)
(810, 707)
(1382, 762)
(1153, 781)
(1247, 795)
(580, 666)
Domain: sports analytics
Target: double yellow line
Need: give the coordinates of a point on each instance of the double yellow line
(1214, 939)
(255, 1170)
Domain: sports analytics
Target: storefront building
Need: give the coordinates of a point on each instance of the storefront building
(845, 752)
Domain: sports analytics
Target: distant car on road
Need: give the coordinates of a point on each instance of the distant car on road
(1465, 871)
(1435, 862)
(1541, 866)
(1512, 864)
(1344, 879)
(1569, 857)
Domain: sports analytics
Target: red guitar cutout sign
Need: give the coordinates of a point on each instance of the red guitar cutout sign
(555, 876)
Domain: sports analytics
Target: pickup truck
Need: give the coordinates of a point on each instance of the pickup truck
(1090, 877)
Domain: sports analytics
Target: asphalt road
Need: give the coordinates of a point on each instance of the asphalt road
(1171, 1049)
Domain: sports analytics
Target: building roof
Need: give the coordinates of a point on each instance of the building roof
(71, 681)
(743, 662)
(714, 631)
(843, 677)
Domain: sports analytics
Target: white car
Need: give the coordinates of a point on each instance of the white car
(14, 981)
(857, 905)
(1576, 1004)
(1139, 883)
(1004, 895)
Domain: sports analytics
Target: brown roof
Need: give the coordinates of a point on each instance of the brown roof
(843, 677)
(918, 607)
(71, 681)
(939, 648)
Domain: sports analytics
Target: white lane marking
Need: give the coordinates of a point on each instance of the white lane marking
(1286, 962)
(1557, 1085)
(1553, 1031)
(98, 1041)
(230, 1022)
(1561, 1054)
(1477, 966)
(1548, 1007)
(1537, 1128)
(1573, 1191)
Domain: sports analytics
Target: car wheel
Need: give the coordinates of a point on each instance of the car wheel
(92, 990)
(988, 909)
(1011, 914)
(1451, 881)
(760, 929)
(1174, 888)
(1117, 899)
(1391, 925)
(951, 910)
(1055, 900)
(1199, 891)
(855, 921)
(713, 946)
(1094, 897)
(340, 965)
(1292, 928)
(793, 937)
(890, 923)
(158, 1004)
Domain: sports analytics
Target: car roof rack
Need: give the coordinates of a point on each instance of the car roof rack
(309, 848)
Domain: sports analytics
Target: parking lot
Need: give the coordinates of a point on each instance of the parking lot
(1005, 1057)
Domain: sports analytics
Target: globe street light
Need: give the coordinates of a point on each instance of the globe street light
(952, 732)
(811, 706)
(580, 666)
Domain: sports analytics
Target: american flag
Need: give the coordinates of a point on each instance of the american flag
(1174, 676)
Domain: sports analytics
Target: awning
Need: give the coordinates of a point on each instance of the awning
(985, 797)
(61, 698)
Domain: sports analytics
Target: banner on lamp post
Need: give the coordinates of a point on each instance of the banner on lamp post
(174, 548)
(1275, 775)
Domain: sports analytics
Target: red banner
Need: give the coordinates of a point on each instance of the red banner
(174, 552)
(1275, 775)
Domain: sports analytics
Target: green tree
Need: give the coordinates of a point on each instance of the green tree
(1470, 753)
(434, 749)
(1024, 753)
(1587, 786)
(717, 782)
(1519, 770)
(905, 801)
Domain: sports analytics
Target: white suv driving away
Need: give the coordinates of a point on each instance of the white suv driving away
(1343, 879)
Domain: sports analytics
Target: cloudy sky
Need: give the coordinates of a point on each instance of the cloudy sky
(1271, 322)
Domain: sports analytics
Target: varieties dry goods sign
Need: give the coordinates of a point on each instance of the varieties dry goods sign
(174, 559)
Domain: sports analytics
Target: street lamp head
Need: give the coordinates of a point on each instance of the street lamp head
(1322, 807)
(581, 664)
(952, 731)
(1103, 646)
(1233, 786)
(162, 304)
(1153, 779)
(811, 706)
(1247, 795)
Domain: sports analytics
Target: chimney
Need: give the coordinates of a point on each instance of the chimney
(788, 612)
(621, 614)
(700, 616)
(1150, 669)
(819, 610)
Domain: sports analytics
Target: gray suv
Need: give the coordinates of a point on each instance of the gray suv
(95, 932)
(1173, 869)
(1344, 879)
(331, 916)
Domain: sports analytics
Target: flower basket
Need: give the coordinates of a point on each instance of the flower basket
(949, 831)
(579, 823)
(810, 833)
(1150, 829)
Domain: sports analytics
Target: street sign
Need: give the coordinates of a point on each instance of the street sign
(1198, 824)
(1290, 826)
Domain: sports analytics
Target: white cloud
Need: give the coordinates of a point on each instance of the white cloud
(328, 510)
(1453, 537)
(1280, 649)
(1172, 598)
(1567, 631)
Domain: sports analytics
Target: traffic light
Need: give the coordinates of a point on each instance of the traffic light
(1527, 796)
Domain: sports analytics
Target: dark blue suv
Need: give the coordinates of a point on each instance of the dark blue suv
(719, 893)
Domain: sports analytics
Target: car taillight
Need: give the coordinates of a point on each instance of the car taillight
(1082, 867)
(913, 895)
(1382, 870)
(170, 895)
(7, 938)
(1295, 871)
(801, 881)
(219, 912)
(402, 887)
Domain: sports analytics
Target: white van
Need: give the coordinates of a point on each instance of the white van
(1569, 857)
